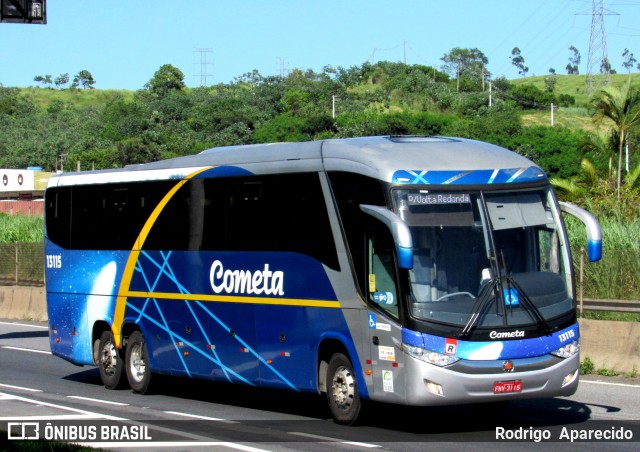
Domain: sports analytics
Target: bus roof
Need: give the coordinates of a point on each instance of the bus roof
(399, 160)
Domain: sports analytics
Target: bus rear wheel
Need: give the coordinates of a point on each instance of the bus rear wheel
(110, 362)
(342, 390)
(137, 363)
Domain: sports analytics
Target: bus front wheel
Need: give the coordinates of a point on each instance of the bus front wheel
(137, 363)
(342, 390)
(110, 362)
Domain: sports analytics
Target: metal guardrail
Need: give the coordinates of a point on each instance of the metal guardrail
(593, 304)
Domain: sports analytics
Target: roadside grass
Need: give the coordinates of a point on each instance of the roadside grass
(21, 228)
(575, 118)
(588, 367)
(615, 276)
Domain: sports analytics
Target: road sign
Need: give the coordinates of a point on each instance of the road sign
(23, 11)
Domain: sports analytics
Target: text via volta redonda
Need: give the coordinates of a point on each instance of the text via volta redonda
(235, 281)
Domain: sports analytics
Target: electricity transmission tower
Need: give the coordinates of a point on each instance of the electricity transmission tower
(203, 65)
(598, 65)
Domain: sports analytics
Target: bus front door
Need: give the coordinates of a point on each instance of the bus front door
(384, 329)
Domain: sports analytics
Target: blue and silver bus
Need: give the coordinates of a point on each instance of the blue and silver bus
(410, 270)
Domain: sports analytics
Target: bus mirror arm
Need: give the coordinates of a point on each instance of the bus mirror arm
(399, 231)
(594, 233)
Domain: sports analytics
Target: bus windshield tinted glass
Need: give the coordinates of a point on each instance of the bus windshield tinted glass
(493, 257)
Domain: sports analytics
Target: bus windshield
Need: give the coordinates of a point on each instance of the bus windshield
(485, 259)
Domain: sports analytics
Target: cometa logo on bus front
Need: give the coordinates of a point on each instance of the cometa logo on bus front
(506, 334)
(245, 281)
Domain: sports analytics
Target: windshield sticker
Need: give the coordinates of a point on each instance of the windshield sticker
(424, 199)
(383, 298)
(386, 353)
(450, 346)
(511, 297)
(387, 381)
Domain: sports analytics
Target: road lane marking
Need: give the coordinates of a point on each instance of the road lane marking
(81, 413)
(25, 324)
(609, 384)
(335, 440)
(205, 418)
(89, 399)
(20, 349)
(21, 388)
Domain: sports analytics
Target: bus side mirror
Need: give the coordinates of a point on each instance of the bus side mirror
(399, 231)
(594, 233)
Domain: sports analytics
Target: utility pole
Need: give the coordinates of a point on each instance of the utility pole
(490, 95)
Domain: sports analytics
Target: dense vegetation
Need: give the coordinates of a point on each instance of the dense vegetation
(103, 129)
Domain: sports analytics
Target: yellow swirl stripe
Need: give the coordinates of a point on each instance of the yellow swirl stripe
(234, 299)
(125, 283)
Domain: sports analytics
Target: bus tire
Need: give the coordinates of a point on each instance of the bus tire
(110, 362)
(342, 390)
(137, 363)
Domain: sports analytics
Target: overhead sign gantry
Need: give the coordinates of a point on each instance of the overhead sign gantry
(23, 11)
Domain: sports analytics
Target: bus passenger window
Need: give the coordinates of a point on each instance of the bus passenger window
(381, 272)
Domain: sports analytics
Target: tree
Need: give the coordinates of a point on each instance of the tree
(83, 78)
(518, 61)
(44, 79)
(166, 79)
(61, 80)
(605, 67)
(466, 62)
(550, 81)
(622, 106)
(574, 61)
(629, 60)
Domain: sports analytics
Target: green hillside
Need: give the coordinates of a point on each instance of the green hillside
(575, 85)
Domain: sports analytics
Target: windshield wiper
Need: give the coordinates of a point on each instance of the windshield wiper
(485, 297)
(479, 307)
(532, 309)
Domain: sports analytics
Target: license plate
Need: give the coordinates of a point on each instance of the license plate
(503, 387)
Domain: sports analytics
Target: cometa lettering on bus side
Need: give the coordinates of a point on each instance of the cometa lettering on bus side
(506, 334)
(246, 282)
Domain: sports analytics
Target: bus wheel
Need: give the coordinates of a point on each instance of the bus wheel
(109, 362)
(137, 363)
(342, 390)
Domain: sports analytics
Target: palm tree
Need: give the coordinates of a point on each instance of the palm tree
(622, 106)
(580, 186)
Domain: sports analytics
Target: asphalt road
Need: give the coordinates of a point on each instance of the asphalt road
(40, 391)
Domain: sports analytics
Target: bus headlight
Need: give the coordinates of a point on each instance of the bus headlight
(566, 351)
(428, 356)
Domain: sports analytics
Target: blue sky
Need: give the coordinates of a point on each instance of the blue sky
(122, 43)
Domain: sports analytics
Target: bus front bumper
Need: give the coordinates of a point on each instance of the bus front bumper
(481, 382)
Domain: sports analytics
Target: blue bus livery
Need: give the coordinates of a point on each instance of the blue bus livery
(410, 270)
